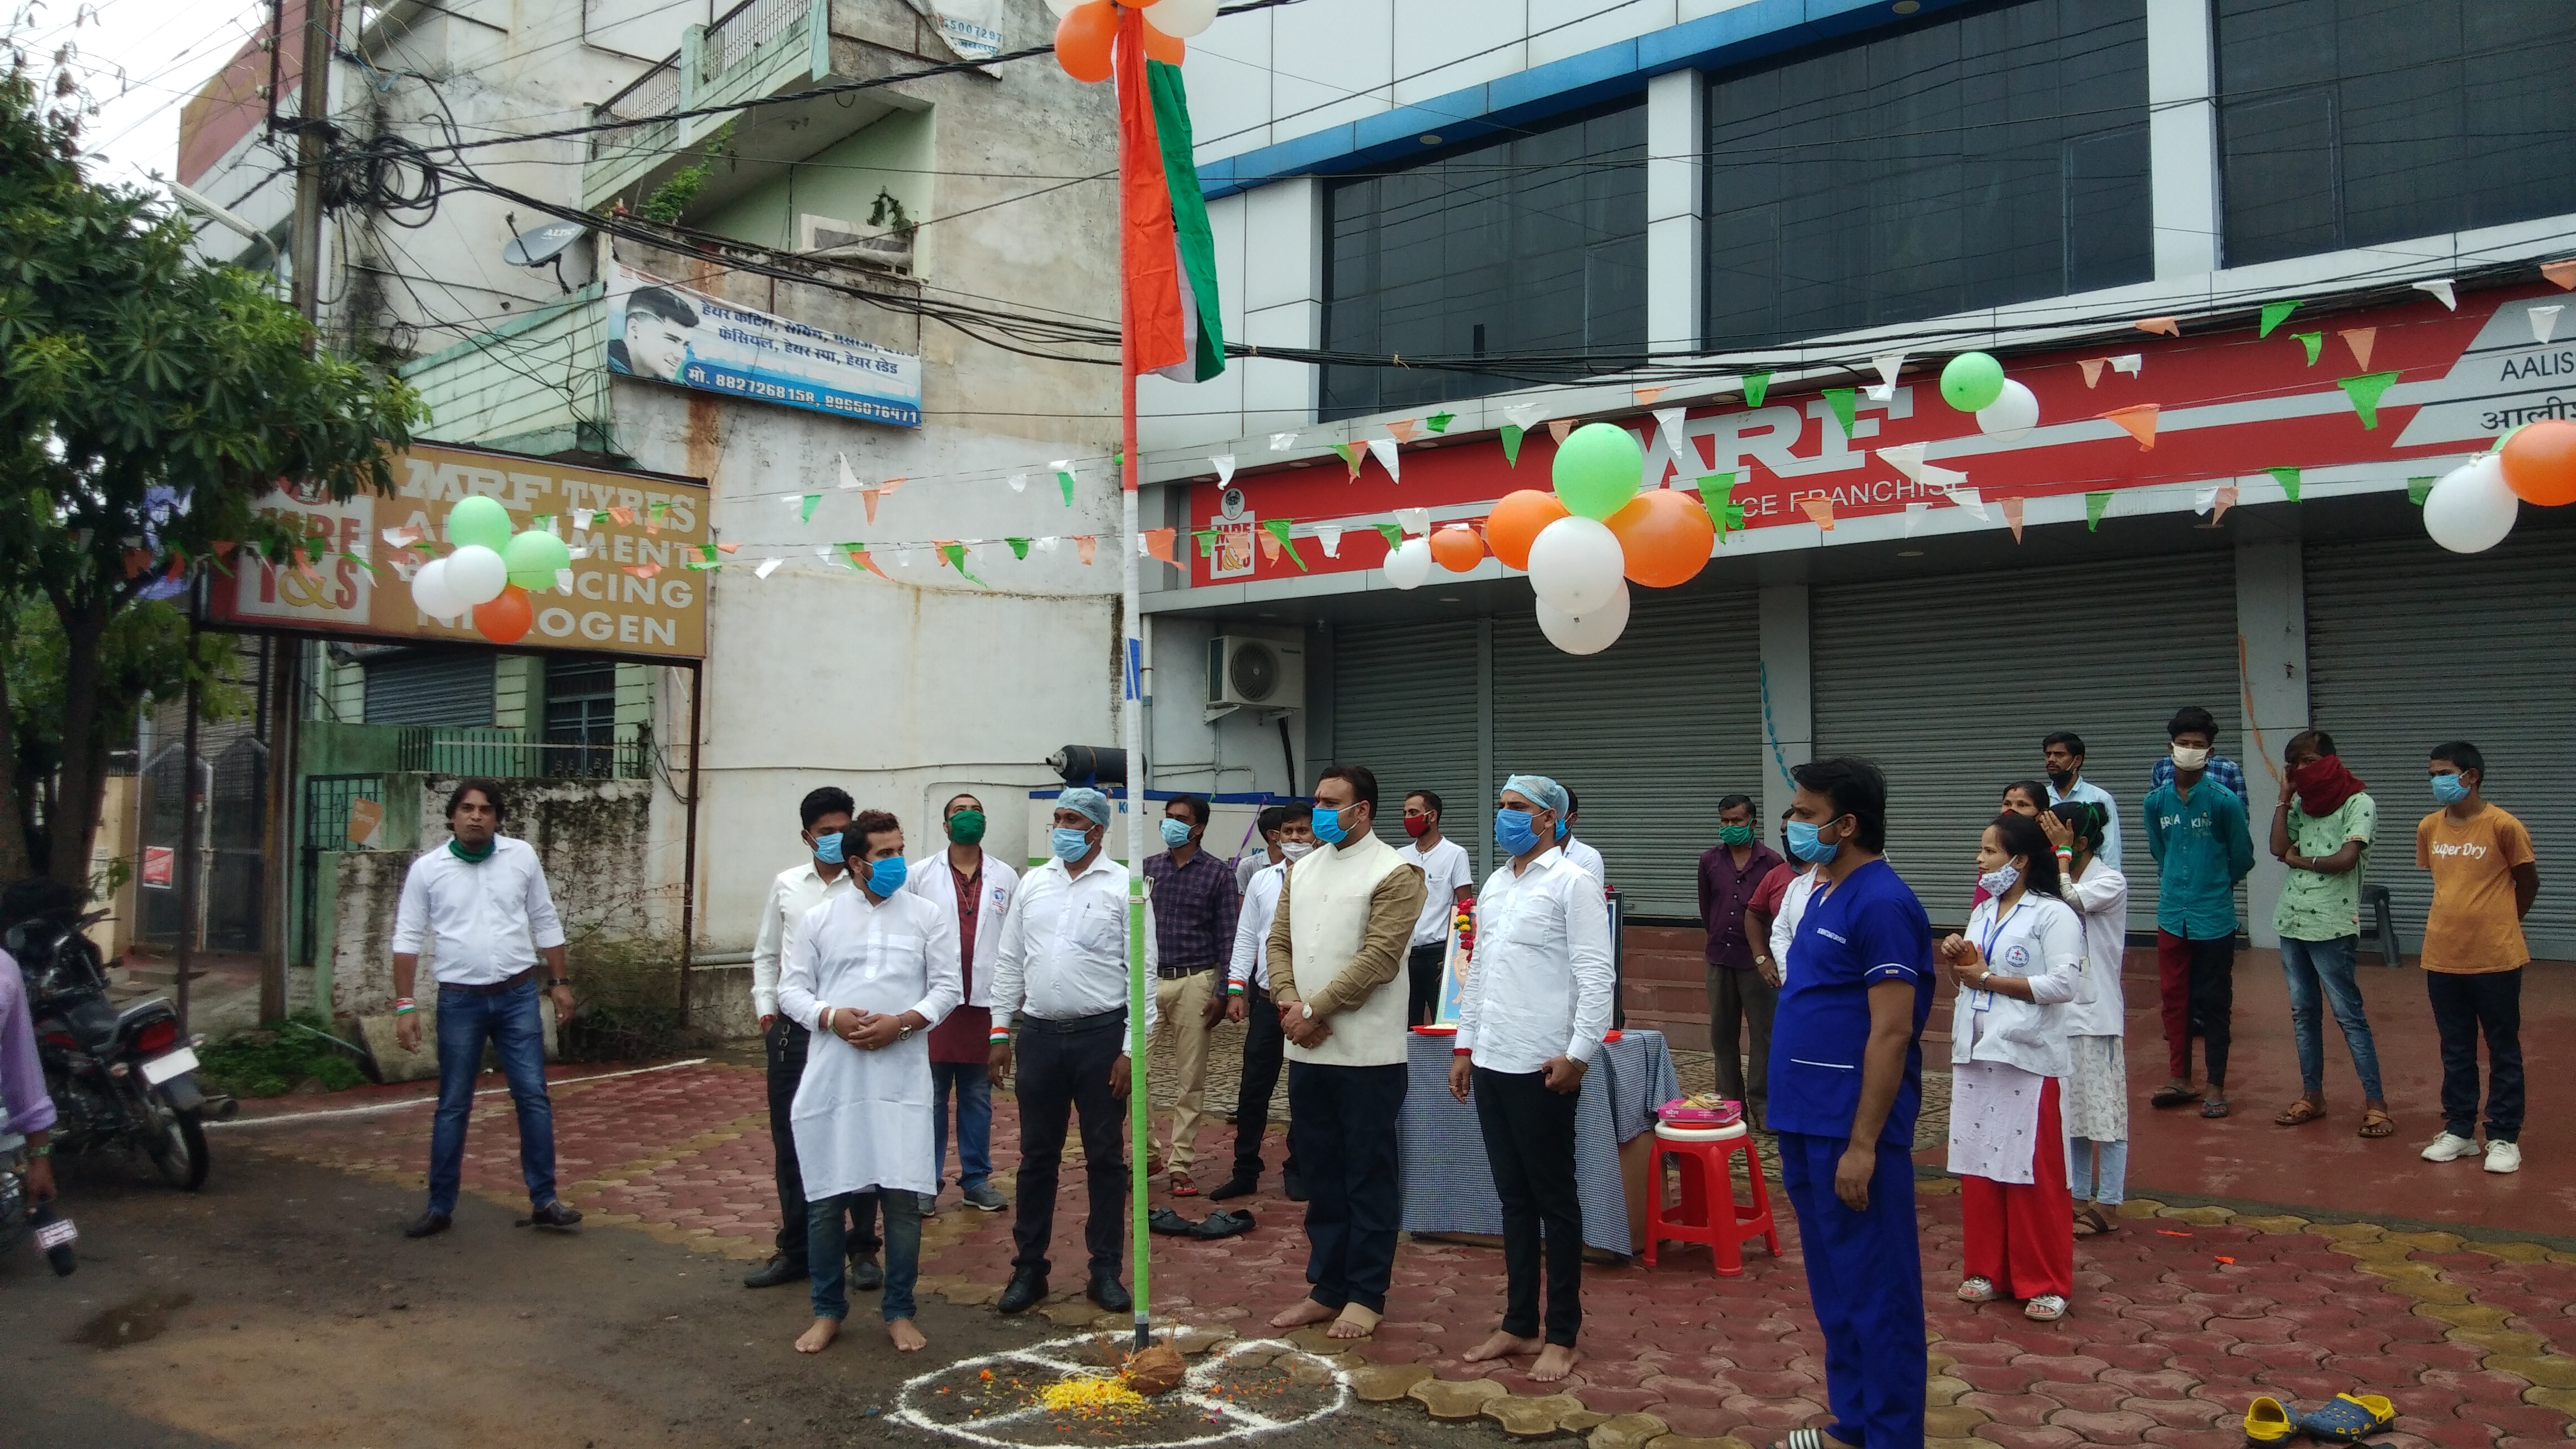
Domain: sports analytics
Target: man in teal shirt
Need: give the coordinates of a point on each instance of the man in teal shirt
(2196, 832)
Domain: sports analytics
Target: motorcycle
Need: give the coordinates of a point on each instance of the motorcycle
(20, 1218)
(121, 1079)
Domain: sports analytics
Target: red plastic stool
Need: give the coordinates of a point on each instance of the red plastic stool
(1706, 1181)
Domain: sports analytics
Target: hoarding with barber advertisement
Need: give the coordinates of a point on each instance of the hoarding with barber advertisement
(666, 332)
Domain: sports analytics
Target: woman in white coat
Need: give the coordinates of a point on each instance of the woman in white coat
(872, 970)
(2021, 960)
(2097, 1082)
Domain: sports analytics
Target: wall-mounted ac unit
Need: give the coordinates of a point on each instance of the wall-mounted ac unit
(854, 241)
(1263, 673)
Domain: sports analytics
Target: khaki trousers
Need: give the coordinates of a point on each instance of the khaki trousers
(1183, 1002)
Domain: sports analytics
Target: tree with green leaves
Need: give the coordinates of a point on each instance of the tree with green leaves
(148, 401)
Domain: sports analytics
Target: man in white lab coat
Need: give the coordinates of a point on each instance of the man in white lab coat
(871, 973)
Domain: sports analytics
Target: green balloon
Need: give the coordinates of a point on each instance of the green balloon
(1598, 469)
(534, 558)
(479, 520)
(1973, 380)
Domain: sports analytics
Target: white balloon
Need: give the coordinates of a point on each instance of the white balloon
(1585, 633)
(1576, 564)
(2011, 416)
(431, 594)
(476, 574)
(2472, 508)
(1183, 18)
(1409, 567)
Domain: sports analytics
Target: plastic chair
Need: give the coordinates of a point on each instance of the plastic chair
(1704, 1158)
(2383, 916)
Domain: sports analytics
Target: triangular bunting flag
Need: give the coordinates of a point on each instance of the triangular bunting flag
(729, 549)
(1224, 468)
(644, 571)
(1915, 513)
(2129, 364)
(1888, 365)
(1415, 521)
(1158, 543)
(1936, 476)
(1207, 542)
(2417, 489)
(2359, 339)
(2201, 501)
(1393, 535)
(1841, 400)
(1647, 396)
(1063, 470)
(848, 478)
(2225, 500)
(2092, 367)
(1969, 499)
(1276, 530)
(2544, 322)
(2442, 291)
(1717, 494)
(2169, 326)
(1269, 547)
(2561, 272)
(1905, 458)
(1820, 511)
(811, 502)
(860, 556)
(1511, 445)
(1527, 415)
(2364, 392)
(1383, 449)
(1019, 548)
(2139, 419)
(1330, 536)
(767, 567)
(401, 537)
(2012, 517)
(2095, 505)
(1557, 428)
(1282, 442)
(868, 497)
(1669, 422)
(1019, 482)
(581, 519)
(2288, 478)
(1439, 422)
(1757, 386)
(1404, 429)
(2274, 314)
(955, 556)
(1351, 453)
(625, 517)
(1084, 543)
(2314, 342)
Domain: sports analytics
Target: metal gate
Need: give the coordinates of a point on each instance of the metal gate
(328, 802)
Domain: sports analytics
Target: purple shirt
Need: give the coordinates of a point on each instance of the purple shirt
(1194, 908)
(22, 1077)
(1723, 893)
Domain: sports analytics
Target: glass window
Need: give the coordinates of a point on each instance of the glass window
(1532, 245)
(581, 716)
(2349, 123)
(1971, 161)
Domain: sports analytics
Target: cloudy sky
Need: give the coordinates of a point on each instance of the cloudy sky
(141, 59)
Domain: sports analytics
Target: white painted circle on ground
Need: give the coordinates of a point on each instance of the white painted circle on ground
(1229, 1421)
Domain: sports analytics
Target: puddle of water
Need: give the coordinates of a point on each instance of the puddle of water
(137, 1322)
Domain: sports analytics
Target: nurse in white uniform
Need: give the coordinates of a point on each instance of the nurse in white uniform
(871, 972)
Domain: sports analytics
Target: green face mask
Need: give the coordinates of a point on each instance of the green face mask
(966, 827)
(1735, 835)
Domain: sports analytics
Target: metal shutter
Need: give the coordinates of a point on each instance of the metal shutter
(2409, 646)
(430, 689)
(1949, 685)
(1650, 732)
(1405, 704)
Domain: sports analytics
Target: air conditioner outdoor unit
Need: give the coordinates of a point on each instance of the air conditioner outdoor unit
(1262, 673)
(854, 241)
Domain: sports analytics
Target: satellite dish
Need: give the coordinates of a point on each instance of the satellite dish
(539, 245)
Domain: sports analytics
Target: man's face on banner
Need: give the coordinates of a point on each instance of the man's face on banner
(655, 345)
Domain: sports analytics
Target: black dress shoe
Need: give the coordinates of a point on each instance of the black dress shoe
(425, 1225)
(780, 1269)
(866, 1274)
(1233, 1187)
(1028, 1289)
(1295, 1187)
(554, 1215)
(1109, 1293)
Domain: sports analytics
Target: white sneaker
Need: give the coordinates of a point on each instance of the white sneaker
(2504, 1157)
(2450, 1148)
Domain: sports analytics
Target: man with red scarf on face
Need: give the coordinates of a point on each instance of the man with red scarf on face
(2322, 830)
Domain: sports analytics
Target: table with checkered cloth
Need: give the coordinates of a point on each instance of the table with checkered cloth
(1449, 1187)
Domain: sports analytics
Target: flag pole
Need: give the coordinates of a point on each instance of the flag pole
(1140, 1110)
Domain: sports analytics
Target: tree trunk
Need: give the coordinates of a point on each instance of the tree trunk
(83, 782)
(16, 862)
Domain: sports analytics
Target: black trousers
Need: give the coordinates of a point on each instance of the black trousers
(1062, 1070)
(1422, 982)
(1739, 999)
(786, 1044)
(1529, 1141)
(1341, 1126)
(2489, 1002)
(1264, 1049)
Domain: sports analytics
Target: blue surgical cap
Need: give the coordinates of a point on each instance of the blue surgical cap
(1089, 801)
(1542, 792)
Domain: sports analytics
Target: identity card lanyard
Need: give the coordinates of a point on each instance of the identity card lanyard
(1985, 996)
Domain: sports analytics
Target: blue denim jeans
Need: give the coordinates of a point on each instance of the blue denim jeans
(826, 1252)
(973, 1084)
(509, 1020)
(2097, 1172)
(2324, 968)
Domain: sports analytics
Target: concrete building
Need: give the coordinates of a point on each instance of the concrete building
(1764, 199)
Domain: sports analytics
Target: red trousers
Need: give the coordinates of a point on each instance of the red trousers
(2021, 1236)
(2197, 983)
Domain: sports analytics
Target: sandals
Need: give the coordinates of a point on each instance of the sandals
(2213, 1109)
(2375, 1122)
(2046, 1308)
(2300, 1113)
(2092, 1222)
(2173, 1096)
(2267, 1422)
(2345, 1418)
(1182, 1185)
(1979, 1290)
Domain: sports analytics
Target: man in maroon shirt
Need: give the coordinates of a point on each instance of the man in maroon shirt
(978, 887)
(1740, 993)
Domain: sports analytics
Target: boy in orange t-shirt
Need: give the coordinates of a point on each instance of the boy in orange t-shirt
(2484, 880)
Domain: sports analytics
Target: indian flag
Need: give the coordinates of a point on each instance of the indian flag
(1169, 253)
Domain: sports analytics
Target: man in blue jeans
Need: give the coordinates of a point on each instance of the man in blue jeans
(480, 902)
(2321, 829)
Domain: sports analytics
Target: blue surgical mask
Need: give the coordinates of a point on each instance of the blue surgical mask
(885, 877)
(1068, 843)
(1805, 844)
(2450, 789)
(827, 848)
(1328, 827)
(1514, 832)
(1176, 833)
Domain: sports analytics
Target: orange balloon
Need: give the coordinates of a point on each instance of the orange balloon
(1515, 522)
(2540, 462)
(1169, 49)
(1083, 38)
(1665, 535)
(1457, 548)
(506, 620)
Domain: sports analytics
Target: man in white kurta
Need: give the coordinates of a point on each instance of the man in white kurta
(872, 971)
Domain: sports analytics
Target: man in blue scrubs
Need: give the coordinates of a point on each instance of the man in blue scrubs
(1846, 1083)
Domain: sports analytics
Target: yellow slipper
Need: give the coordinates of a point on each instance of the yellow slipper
(2267, 1422)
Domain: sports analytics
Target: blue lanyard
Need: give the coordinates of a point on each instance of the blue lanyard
(1986, 948)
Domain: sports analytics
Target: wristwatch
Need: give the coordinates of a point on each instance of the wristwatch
(553, 982)
(903, 1033)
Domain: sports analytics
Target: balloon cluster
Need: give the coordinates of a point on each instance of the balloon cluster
(1973, 382)
(2472, 507)
(1085, 32)
(489, 571)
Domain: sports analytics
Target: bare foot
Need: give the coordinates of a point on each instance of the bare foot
(907, 1339)
(1555, 1362)
(1355, 1322)
(1501, 1345)
(1297, 1315)
(820, 1336)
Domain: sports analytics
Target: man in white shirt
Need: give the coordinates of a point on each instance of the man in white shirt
(1061, 979)
(1449, 883)
(1532, 1016)
(872, 972)
(798, 889)
(1580, 852)
(1287, 835)
(976, 890)
(2063, 755)
(480, 902)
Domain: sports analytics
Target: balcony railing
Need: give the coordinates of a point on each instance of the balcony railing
(655, 93)
(747, 27)
(508, 754)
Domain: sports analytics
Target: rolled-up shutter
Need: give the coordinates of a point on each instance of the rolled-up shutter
(1950, 683)
(2409, 647)
(430, 689)
(1405, 704)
